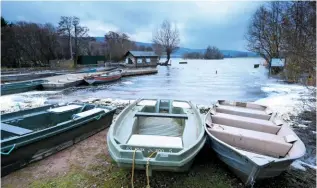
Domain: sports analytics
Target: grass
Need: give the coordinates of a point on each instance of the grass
(207, 171)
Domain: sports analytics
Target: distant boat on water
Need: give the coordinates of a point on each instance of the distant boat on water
(183, 62)
(256, 65)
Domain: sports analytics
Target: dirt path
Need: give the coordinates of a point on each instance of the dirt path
(83, 154)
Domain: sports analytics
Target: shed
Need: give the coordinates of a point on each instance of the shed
(141, 59)
(91, 60)
(277, 65)
(277, 62)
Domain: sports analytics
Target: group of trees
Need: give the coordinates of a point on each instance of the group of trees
(288, 30)
(27, 44)
(210, 53)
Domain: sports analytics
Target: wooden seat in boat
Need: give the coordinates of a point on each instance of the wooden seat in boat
(64, 108)
(155, 141)
(245, 123)
(14, 129)
(89, 112)
(244, 111)
(249, 140)
(166, 115)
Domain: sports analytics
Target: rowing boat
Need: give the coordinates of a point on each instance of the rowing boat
(252, 140)
(104, 78)
(153, 134)
(30, 135)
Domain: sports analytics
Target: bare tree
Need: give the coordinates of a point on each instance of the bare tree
(167, 36)
(264, 33)
(299, 39)
(117, 44)
(213, 53)
(80, 33)
(65, 26)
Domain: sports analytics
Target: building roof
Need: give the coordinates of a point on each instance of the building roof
(277, 62)
(142, 54)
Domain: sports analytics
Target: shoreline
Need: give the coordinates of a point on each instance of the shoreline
(78, 166)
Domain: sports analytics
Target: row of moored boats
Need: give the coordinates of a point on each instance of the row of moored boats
(19, 87)
(153, 134)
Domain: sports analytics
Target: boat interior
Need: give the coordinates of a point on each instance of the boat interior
(159, 124)
(250, 133)
(17, 124)
(244, 109)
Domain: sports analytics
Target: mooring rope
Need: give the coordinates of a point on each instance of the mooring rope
(132, 176)
(147, 170)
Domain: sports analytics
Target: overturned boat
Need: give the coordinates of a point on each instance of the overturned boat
(30, 135)
(156, 135)
(251, 140)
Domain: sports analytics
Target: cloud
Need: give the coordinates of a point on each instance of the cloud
(222, 24)
(99, 28)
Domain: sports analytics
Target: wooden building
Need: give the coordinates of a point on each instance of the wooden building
(277, 65)
(141, 59)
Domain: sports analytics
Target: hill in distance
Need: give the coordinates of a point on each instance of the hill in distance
(181, 51)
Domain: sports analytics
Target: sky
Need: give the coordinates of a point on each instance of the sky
(221, 24)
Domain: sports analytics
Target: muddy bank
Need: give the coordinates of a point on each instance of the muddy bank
(88, 164)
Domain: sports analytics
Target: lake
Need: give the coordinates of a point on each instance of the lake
(236, 79)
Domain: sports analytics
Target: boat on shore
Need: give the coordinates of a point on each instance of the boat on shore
(153, 134)
(251, 140)
(104, 78)
(33, 134)
(19, 87)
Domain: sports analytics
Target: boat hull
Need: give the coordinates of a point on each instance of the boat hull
(243, 167)
(181, 163)
(101, 80)
(20, 87)
(52, 142)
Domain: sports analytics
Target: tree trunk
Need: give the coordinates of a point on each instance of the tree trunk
(70, 46)
(75, 62)
(168, 58)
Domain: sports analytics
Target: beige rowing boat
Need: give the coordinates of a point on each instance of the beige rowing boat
(252, 140)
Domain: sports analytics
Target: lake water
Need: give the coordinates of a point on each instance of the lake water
(236, 79)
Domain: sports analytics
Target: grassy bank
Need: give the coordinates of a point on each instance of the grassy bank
(101, 171)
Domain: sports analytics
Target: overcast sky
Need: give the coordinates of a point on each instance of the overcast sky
(222, 24)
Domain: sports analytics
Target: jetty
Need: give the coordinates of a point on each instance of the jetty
(139, 71)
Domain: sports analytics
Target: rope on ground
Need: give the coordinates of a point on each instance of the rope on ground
(147, 170)
(132, 176)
